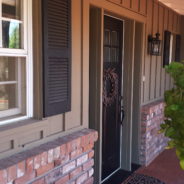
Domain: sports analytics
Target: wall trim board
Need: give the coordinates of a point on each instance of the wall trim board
(118, 10)
(95, 82)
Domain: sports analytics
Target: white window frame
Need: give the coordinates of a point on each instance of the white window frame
(26, 53)
(171, 49)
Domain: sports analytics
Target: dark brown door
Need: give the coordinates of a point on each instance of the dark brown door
(112, 81)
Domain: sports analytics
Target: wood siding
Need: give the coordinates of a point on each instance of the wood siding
(155, 17)
(158, 19)
(182, 39)
(138, 6)
(27, 134)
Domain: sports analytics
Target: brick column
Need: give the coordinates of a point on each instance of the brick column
(152, 143)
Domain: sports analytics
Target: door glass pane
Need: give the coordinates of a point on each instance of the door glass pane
(115, 55)
(107, 37)
(114, 38)
(8, 69)
(11, 9)
(8, 97)
(11, 32)
(107, 54)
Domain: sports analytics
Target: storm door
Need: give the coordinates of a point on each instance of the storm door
(112, 82)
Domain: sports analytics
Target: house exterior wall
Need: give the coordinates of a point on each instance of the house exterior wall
(182, 42)
(159, 19)
(23, 135)
(156, 17)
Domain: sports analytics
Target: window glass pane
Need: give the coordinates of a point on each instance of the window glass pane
(107, 54)
(8, 97)
(12, 84)
(115, 55)
(107, 37)
(11, 9)
(11, 32)
(115, 41)
(8, 69)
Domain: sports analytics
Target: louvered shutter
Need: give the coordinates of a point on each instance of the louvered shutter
(178, 48)
(166, 55)
(56, 56)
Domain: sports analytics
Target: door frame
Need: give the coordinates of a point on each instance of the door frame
(121, 92)
(96, 86)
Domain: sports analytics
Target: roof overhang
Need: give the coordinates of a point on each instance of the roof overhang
(9, 2)
(176, 5)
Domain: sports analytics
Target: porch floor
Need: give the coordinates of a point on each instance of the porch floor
(165, 168)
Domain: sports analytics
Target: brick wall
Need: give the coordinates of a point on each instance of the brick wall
(66, 160)
(152, 143)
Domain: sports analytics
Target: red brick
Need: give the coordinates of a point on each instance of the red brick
(63, 180)
(68, 167)
(53, 176)
(40, 181)
(84, 141)
(44, 159)
(63, 150)
(57, 152)
(74, 144)
(89, 181)
(88, 164)
(95, 136)
(76, 153)
(3, 176)
(12, 173)
(50, 156)
(88, 147)
(91, 154)
(29, 165)
(20, 169)
(37, 162)
(92, 137)
(82, 160)
(82, 178)
(91, 172)
(75, 172)
(62, 160)
(24, 179)
(42, 170)
(73, 182)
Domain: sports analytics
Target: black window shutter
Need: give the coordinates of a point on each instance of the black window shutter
(178, 48)
(167, 39)
(56, 56)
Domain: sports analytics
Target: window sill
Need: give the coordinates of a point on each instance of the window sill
(12, 119)
(16, 122)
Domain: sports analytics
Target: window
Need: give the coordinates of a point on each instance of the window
(15, 60)
(171, 49)
(178, 48)
(167, 48)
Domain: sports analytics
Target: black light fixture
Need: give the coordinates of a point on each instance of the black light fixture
(154, 45)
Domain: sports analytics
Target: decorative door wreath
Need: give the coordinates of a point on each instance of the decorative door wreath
(110, 77)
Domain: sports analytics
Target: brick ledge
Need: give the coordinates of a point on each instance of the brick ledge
(56, 160)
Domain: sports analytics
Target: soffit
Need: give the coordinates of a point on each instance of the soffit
(176, 5)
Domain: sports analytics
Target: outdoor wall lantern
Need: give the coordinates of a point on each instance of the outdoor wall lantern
(154, 45)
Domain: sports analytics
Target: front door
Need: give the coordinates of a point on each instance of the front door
(112, 82)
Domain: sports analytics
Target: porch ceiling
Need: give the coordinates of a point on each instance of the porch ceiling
(176, 5)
